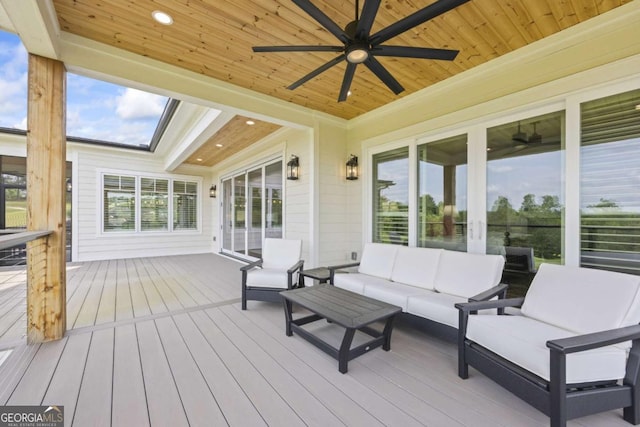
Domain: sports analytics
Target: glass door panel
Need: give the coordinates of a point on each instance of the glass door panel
(227, 215)
(525, 201)
(391, 197)
(254, 210)
(273, 200)
(442, 194)
(239, 214)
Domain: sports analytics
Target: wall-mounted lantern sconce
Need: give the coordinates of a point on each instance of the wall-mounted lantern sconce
(352, 168)
(213, 191)
(292, 167)
(67, 185)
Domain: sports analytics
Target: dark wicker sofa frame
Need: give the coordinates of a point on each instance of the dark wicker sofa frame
(555, 398)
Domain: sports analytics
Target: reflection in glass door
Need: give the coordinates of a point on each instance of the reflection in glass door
(239, 215)
(251, 210)
(525, 200)
(442, 194)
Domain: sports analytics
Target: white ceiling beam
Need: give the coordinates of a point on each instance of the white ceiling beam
(36, 23)
(193, 135)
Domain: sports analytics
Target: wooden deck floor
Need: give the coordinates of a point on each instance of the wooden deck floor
(163, 342)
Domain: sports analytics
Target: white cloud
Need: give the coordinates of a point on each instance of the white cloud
(135, 104)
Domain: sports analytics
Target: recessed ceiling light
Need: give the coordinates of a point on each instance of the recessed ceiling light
(349, 93)
(250, 122)
(198, 159)
(218, 145)
(638, 107)
(162, 17)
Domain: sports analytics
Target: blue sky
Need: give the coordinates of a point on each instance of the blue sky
(95, 109)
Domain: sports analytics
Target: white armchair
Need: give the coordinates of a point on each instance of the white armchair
(278, 270)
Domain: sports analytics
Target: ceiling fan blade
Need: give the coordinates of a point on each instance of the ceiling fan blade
(311, 48)
(322, 19)
(346, 81)
(417, 18)
(415, 52)
(382, 73)
(369, 12)
(316, 72)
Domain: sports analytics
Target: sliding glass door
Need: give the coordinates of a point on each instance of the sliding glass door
(251, 209)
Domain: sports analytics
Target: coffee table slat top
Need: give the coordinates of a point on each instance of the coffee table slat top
(343, 307)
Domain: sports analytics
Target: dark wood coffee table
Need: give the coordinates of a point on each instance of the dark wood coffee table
(352, 311)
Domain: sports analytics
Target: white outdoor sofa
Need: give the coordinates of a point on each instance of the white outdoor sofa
(425, 282)
(573, 349)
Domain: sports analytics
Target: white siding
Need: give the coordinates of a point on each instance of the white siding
(94, 245)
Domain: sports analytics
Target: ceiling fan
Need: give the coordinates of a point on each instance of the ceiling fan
(361, 47)
(521, 137)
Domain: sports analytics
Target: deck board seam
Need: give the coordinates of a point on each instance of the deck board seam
(124, 322)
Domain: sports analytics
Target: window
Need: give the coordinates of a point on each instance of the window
(185, 199)
(119, 203)
(610, 183)
(161, 204)
(391, 197)
(154, 204)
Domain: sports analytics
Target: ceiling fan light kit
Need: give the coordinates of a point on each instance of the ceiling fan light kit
(361, 47)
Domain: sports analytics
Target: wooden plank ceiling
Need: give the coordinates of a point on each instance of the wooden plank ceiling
(215, 37)
(233, 137)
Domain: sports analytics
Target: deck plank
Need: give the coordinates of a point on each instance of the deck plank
(91, 303)
(198, 400)
(163, 399)
(65, 383)
(273, 408)
(307, 406)
(94, 398)
(153, 297)
(124, 304)
(234, 403)
(129, 396)
(107, 307)
(31, 387)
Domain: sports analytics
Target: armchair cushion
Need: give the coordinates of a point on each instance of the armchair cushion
(465, 275)
(281, 253)
(416, 266)
(378, 259)
(268, 278)
(522, 341)
(580, 299)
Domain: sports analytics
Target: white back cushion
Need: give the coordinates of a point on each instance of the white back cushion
(281, 253)
(583, 300)
(377, 259)
(416, 266)
(465, 275)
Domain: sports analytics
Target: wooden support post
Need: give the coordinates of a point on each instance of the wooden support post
(46, 161)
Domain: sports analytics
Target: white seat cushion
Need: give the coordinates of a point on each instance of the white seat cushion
(281, 253)
(377, 260)
(465, 275)
(391, 292)
(268, 278)
(435, 306)
(416, 266)
(522, 341)
(583, 300)
(355, 282)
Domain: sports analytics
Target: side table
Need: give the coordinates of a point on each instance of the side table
(321, 274)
